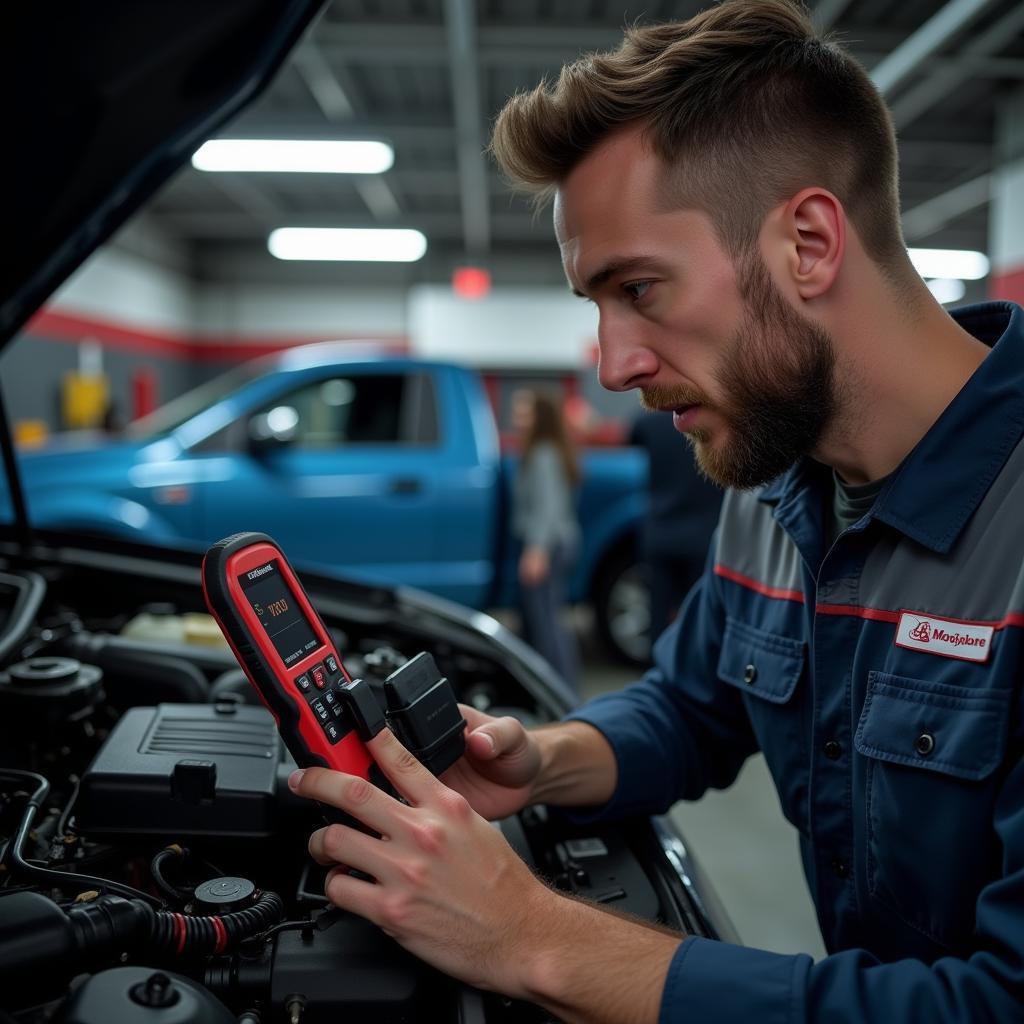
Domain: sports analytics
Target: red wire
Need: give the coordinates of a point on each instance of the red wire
(180, 929)
(222, 935)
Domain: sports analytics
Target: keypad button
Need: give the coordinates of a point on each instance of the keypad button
(332, 732)
(330, 697)
(302, 683)
(321, 710)
(319, 676)
(332, 664)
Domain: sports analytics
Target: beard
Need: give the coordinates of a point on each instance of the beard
(778, 373)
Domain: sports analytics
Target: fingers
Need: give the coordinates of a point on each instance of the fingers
(361, 897)
(412, 780)
(357, 797)
(336, 845)
(498, 736)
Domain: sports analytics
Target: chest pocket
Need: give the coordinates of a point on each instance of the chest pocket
(932, 750)
(767, 667)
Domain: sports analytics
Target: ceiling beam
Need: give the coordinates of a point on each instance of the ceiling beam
(926, 41)
(828, 12)
(973, 56)
(335, 103)
(933, 214)
(465, 81)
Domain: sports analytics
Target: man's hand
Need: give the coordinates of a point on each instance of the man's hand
(498, 770)
(448, 886)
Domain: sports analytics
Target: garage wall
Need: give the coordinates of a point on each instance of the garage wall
(141, 321)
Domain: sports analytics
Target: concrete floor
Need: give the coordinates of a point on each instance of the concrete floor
(739, 837)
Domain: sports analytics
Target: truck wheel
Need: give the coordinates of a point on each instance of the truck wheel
(622, 609)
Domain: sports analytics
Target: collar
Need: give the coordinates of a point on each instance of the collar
(940, 484)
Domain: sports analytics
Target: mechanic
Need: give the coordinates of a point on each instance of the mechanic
(726, 194)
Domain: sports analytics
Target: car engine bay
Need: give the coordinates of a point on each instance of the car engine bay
(153, 862)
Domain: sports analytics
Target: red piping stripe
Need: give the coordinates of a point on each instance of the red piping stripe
(874, 614)
(758, 586)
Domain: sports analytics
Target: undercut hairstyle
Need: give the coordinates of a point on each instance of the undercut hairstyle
(745, 105)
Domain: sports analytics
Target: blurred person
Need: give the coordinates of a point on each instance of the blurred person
(726, 194)
(682, 511)
(544, 521)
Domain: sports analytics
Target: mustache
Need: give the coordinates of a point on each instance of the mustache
(659, 397)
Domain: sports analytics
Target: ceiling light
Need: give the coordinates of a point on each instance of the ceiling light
(318, 156)
(376, 245)
(962, 263)
(947, 289)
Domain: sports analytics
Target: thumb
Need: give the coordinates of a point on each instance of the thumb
(482, 744)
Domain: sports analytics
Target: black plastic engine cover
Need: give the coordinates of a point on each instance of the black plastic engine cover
(184, 770)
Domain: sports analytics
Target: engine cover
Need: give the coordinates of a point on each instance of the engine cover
(184, 770)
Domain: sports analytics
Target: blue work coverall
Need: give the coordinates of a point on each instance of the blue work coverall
(881, 676)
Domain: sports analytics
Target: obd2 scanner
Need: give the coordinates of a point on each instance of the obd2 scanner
(323, 715)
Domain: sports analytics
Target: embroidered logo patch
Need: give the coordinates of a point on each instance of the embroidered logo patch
(946, 637)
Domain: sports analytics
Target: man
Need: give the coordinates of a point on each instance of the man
(725, 193)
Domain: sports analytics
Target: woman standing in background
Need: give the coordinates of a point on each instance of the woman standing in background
(544, 520)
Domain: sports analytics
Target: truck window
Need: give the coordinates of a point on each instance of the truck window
(364, 409)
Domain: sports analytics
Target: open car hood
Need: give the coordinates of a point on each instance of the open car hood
(108, 100)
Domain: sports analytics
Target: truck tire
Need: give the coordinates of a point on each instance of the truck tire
(622, 608)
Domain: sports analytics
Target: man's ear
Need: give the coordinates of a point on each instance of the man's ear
(809, 240)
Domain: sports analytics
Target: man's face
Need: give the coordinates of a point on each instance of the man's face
(749, 381)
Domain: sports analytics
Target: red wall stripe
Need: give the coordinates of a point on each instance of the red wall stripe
(1007, 284)
(72, 327)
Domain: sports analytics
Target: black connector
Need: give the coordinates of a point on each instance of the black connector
(424, 714)
(364, 708)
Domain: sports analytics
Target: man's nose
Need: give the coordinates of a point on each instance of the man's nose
(624, 360)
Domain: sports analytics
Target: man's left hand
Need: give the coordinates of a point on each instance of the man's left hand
(448, 886)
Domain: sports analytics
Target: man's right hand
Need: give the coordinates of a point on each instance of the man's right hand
(501, 764)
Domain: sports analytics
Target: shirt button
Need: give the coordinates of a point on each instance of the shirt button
(840, 869)
(833, 750)
(924, 744)
(750, 674)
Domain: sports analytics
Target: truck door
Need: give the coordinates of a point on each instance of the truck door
(340, 471)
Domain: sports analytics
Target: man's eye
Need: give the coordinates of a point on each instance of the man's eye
(637, 288)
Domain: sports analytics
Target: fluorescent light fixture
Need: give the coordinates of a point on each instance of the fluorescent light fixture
(947, 289)
(372, 245)
(318, 156)
(949, 263)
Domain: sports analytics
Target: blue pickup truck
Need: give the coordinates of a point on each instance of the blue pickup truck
(384, 467)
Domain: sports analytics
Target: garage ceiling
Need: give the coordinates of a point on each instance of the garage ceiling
(429, 76)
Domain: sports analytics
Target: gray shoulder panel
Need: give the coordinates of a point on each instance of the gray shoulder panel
(980, 578)
(753, 545)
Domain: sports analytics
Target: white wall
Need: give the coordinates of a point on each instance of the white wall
(249, 312)
(1006, 218)
(543, 328)
(120, 288)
